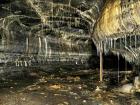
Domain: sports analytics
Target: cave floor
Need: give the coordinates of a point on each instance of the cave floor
(38, 89)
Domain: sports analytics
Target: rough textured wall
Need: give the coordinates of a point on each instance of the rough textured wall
(118, 18)
(118, 29)
(35, 32)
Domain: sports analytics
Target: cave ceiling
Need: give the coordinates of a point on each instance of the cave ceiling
(113, 26)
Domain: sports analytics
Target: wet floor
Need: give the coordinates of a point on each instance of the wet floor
(49, 89)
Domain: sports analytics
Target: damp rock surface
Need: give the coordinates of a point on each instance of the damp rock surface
(49, 34)
(57, 90)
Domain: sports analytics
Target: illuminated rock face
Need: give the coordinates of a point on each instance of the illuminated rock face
(40, 29)
(36, 33)
(118, 29)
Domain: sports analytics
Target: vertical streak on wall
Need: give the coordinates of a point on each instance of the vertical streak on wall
(46, 47)
(40, 45)
(101, 62)
(27, 44)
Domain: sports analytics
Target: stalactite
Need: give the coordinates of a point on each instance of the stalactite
(101, 62)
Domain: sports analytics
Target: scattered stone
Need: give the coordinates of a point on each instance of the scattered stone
(137, 83)
(55, 86)
(99, 96)
(97, 89)
(60, 104)
(66, 103)
(43, 79)
(127, 88)
(23, 99)
(111, 101)
(85, 92)
(42, 93)
(33, 87)
(72, 93)
(77, 78)
(33, 74)
(80, 87)
(84, 101)
(11, 87)
(56, 94)
(69, 78)
(124, 81)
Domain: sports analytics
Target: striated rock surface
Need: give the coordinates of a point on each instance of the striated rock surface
(118, 29)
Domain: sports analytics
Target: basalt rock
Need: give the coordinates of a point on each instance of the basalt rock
(32, 35)
(36, 31)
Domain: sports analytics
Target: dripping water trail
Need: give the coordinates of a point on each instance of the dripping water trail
(101, 62)
(40, 45)
(125, 70)
(27, 44)
(69, 2)
(52, 10)
(118, 68)
(135, 42)
(46, 46)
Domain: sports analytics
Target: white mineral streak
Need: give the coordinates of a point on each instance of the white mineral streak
(50, 52)
(25, 63)
(46, 47)
(29, 62)
(49, 17)
(27, 44)
(119, 19)
(40, 45)
(16, 62)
